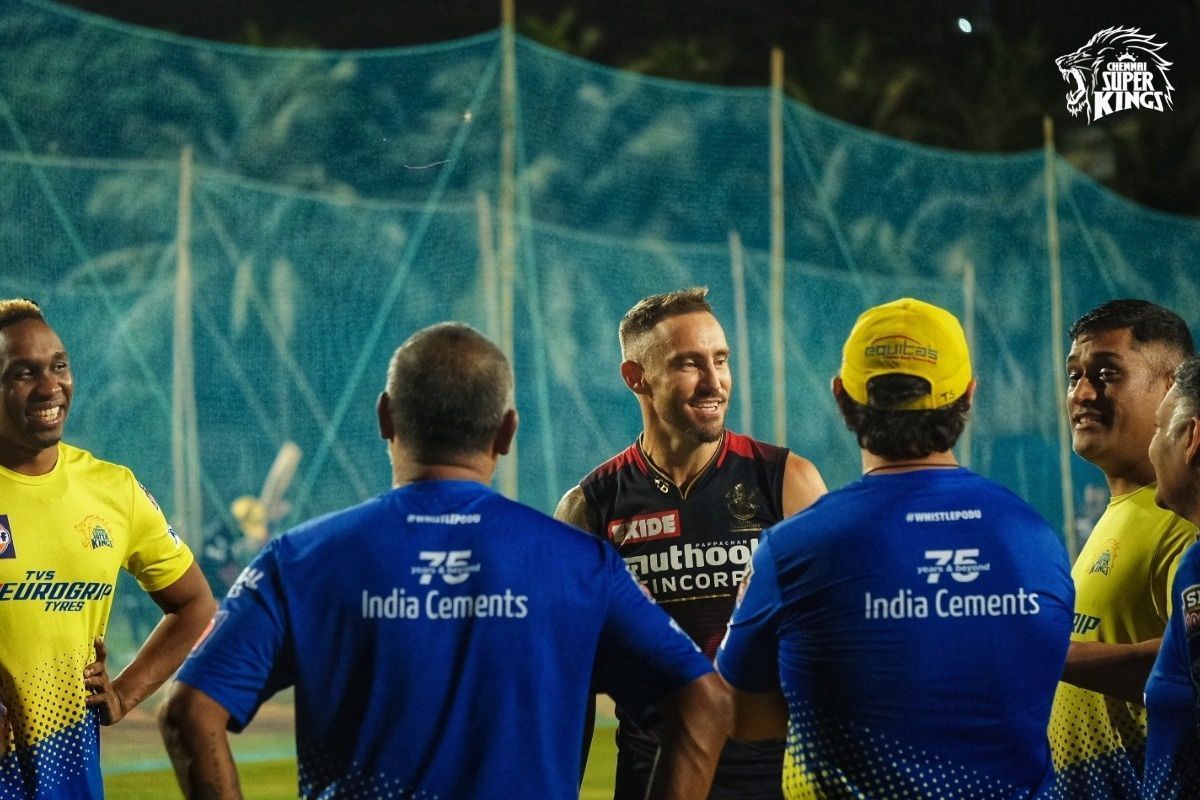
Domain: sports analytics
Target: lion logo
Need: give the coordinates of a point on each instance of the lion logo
(1108, 555)
(94, 533)
(1118, 69)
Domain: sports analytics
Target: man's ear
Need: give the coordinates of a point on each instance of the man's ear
(836, 388)
(970, 392)
(634, 375)
(1191, 442)
(383, 409)
(506, 433)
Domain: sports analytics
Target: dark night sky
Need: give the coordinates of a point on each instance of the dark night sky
(756, 25)
(923, 33)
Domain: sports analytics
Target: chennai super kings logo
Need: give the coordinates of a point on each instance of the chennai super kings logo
(1118, 69)
(94, 531)
(1107, 557)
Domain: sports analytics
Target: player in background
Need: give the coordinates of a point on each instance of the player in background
(684, 505)
(908, 630)
(1123, 355)
(68, 523)
(441, 638)
(1173, 692)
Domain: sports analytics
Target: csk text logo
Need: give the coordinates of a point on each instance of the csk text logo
(1117, 70)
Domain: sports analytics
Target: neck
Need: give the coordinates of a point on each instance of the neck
(29, 462)
(875, 463)
(1130, 479)
(679, 456)
(1192, 512)
(476, 467)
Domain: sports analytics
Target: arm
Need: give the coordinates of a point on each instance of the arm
(187, 606)
(698, 718)
(802, 485)
(193, 730)
(1117, 670)
(758, 716)
(573, 509)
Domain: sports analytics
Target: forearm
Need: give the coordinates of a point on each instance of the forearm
(163, 652)
(1117, 670)
(697, 726)
(193, 730)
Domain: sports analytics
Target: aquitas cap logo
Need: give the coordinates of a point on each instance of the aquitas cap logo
(895, 350)
(1118, 69)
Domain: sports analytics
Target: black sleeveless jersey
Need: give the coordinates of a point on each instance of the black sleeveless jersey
(691, 549)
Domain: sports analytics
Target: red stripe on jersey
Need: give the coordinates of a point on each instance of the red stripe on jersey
(739, 444)
(629, 455)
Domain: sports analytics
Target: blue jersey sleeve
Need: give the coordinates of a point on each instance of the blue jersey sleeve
(749, 656)
(643, 654)
(246, 656)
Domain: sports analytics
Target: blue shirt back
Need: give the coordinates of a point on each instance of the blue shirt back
(917, 625)
(1173, 694)
(442, 641)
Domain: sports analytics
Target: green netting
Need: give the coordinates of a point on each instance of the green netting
(342, 199)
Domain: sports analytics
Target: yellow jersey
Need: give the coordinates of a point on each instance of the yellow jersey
(63, 537)
(1122, 596)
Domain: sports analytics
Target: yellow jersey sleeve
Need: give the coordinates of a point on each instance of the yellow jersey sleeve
(157, 557)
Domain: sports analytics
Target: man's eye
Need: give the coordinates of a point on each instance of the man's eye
(1109, 374)
(1072, 377)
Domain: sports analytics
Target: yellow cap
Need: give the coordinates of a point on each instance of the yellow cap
(908, 337)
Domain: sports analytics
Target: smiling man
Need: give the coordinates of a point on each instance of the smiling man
(68, 523)
(1122, 357)
(685, 504)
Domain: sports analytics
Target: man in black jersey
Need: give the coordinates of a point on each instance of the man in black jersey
(685, 504)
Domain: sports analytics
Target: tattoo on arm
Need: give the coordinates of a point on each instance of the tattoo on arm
(574, 509)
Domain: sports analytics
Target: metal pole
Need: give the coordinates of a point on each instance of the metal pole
(737, 267)
(964, 447)
(185, 439)
(1056, 340)
(508, 213)
(777, 253)
(487, 266)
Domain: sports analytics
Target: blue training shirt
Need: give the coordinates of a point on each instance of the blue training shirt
(443, 641)
(917, 624)
(1173, 694)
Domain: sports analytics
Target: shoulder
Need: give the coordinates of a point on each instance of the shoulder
(1001, 494)
(629, 458)
(574, 509)
(83, 464)
(747, 447)
(76, 459)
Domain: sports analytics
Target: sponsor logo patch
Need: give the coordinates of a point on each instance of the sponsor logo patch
(7, 548)
(645, 527)
(1191, 609)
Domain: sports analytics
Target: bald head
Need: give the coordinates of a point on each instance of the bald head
(449, 388)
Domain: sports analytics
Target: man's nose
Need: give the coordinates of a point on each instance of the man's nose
(1082, 391)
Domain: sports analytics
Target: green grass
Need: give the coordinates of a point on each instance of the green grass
(276, 780)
